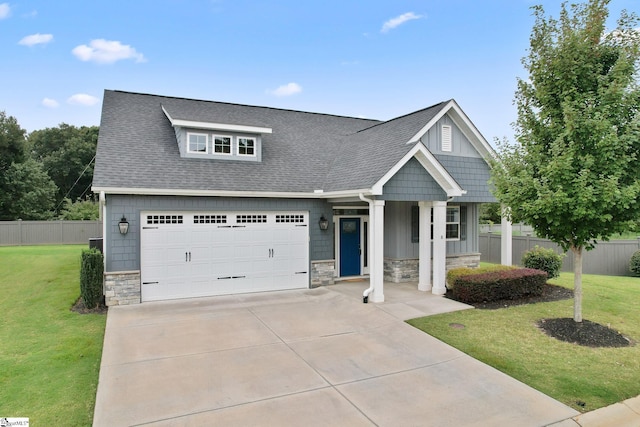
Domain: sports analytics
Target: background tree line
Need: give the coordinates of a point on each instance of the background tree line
(47, 173)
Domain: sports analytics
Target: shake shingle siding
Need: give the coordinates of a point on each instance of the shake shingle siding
(472, 174)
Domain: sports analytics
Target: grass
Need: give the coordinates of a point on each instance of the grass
(49, 355)
(581, 377)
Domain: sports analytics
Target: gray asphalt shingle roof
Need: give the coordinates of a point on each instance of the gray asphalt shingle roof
(137, 147)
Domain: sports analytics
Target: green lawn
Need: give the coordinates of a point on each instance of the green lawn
(508, 340)
(49, 355)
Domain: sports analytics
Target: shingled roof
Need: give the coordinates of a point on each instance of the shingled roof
(306, 152)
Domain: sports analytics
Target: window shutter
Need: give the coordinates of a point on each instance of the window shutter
(446, 138)
(415, 224)
(463, 223)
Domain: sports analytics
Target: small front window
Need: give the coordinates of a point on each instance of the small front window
(246, 146)
(198, 143)
(222, 144)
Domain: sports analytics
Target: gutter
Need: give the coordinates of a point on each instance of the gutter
(365, 294)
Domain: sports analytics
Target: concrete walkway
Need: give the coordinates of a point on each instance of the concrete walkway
(313, 357)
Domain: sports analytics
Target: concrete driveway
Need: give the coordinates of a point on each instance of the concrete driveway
(315, 357)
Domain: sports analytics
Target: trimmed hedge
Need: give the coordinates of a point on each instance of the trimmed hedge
(544, 259)
(497, 285)
(454, 273)
(634, 263)
(91, 273)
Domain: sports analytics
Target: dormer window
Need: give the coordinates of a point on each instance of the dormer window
(217, 141)
(246, 146)
(221, 144)
(197, 143)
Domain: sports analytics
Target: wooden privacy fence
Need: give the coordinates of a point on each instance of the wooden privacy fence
(608, 258)
(14, 233)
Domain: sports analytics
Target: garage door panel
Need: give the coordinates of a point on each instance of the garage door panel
(203, 254)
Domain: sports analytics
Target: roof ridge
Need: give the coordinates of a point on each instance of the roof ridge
(406, 115)
(244, 105)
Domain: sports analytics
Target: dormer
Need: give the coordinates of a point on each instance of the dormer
(222, 141)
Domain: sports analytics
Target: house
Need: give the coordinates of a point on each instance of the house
(216, 198)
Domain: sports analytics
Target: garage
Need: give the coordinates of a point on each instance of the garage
(195, 254)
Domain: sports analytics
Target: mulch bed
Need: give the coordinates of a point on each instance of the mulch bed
(585, 333)
(80, 308)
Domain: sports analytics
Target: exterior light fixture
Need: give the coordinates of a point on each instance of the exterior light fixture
(123, 225)
(323, 223)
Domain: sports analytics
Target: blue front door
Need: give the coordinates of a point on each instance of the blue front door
(350, 247)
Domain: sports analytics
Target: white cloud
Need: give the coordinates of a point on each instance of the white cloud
(398, 20)
(50, 103)
(5, 10)
(286, 90)
(83, 99)
(106, 52)
(37, 38)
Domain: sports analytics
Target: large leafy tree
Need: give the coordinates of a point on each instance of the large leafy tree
(574, 173)
(12, 141)
(28, 192)
(67, 153)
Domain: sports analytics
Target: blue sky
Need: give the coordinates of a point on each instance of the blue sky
(374, 59)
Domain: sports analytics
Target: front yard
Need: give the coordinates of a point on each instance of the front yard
(584, 378)
(49, 355)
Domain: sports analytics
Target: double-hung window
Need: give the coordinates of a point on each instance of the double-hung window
(246, 146)
(456, 223)
(198, 143)
(221, 144)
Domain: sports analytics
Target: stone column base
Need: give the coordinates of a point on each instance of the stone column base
(323, 273)
(122, 288)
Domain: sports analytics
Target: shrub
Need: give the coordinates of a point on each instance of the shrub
(634, 263)
(91, 272)
(454, 273)
(497, 285)
(543, 259)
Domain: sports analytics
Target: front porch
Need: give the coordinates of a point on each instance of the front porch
(402, 300)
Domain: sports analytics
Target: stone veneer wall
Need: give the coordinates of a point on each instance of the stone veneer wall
(323, 273)
(122, 288)
(406, 270)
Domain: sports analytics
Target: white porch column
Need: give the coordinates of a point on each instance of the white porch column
(424, 247)
(506, 238)
(439, 248)
(376, 266)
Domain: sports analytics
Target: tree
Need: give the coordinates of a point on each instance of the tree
(574, 176)
(79, 210)
(12, 141)
(28, 194)
(67, 153)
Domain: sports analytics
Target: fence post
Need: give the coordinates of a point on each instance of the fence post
(20, 232)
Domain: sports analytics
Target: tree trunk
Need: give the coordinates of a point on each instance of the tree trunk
(577, 283)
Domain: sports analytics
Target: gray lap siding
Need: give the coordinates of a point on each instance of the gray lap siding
(123, 252)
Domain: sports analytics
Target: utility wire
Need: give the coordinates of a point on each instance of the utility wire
(74, 184)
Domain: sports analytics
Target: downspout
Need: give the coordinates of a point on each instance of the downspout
(102, 209)
(365, 294)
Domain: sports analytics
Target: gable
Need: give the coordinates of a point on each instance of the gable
(460, 144)
(412, 183)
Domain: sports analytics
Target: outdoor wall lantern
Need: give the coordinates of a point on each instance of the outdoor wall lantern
(123, 225)
(323, 223)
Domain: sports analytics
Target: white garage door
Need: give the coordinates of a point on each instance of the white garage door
(185, 255)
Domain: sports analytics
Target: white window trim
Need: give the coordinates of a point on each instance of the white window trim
(452, 239)
(255, 146)
(206, 143)
(449, 239)
(213, 145)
